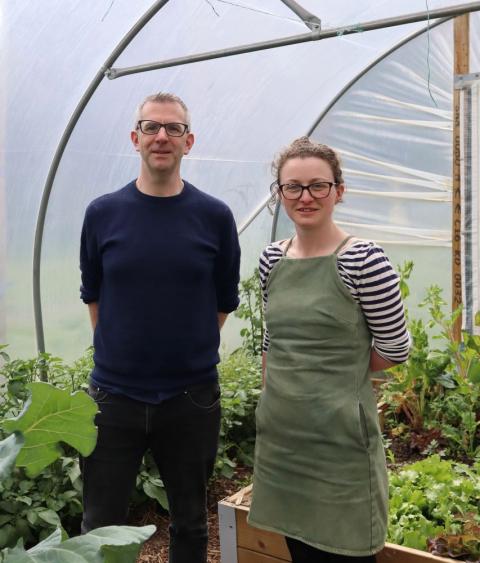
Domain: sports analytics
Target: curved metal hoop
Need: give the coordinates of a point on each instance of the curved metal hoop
(42, 212)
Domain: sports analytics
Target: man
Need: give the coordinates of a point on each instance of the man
(160, 271)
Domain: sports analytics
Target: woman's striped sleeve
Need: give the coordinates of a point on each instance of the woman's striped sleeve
(373, 283)
(270, 256)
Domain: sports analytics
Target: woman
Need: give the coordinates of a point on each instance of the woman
(333, 314)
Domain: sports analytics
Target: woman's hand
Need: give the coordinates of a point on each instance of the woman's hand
(377, 363)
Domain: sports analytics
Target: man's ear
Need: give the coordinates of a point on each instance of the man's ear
(190, 140)
(134, 139)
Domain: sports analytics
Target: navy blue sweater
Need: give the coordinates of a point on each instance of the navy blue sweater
(160, 269)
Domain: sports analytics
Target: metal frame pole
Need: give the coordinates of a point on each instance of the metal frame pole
(315, 35)
(309, 19)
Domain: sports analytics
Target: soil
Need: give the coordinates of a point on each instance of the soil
(155, 550)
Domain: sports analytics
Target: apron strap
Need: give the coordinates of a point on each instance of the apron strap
(289, 243)
(344, 241)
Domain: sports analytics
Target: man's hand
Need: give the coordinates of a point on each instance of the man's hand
(222, 317)
(93, 311)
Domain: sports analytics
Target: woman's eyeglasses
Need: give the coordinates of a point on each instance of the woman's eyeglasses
(318, 190)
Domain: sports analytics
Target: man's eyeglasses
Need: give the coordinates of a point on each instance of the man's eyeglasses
(150, 127)
(318, 190)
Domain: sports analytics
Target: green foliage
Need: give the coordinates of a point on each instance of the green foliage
(113, 544)
(240, 380)
(29, 505)
(404, 273)
(436, 387)
(458, 411)
(251, 310)
(432, 498)
(52, 416)
(414, 382)
(32, 508)
(149, 483)
(36, 505)
(35, 498)
(16, 374)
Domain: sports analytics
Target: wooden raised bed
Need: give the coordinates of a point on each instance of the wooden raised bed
(240, 543)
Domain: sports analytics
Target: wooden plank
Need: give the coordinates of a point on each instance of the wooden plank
(392, 553)
(248, 556)
(461, 66)
(260, 541)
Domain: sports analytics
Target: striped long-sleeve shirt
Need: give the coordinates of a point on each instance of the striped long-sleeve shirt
(373, 283)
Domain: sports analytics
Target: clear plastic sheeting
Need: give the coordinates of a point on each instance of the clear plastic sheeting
(393, 130)
(395, 143)
(244, 109)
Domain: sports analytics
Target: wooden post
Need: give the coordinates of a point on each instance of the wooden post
(3, 212)
(460, 66)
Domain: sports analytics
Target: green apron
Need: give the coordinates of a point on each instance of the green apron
(320, 474)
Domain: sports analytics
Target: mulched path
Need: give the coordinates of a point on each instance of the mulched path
(155, 549)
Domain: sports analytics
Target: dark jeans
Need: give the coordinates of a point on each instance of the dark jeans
(303, 553)
(182, 434)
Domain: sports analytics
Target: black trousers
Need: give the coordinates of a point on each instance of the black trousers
(182, 434)
(303, 553)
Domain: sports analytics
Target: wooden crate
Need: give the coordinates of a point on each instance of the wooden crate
(241, 543)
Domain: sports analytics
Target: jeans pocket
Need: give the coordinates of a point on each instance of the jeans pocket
(205, 397)
(97, 394)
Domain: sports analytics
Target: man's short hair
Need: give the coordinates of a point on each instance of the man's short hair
(163, 98)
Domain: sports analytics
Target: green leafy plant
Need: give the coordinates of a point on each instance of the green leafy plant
(251, 310)
(240, 380)
(32, 508)
(38, 492)
(51, 416)
(436, 388)
(412, 384)
(51, 412)
(112, 544)
(149, 483)
(16, 374)
(431, 498)
(459, 410)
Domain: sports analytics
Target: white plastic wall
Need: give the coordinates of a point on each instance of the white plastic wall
(244, 109)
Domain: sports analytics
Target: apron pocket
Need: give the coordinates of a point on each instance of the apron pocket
(363, 425)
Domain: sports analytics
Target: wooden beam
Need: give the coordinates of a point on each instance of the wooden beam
(3, 205)
(460, 66)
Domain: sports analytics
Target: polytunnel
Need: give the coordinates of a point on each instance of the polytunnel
(374, 79)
